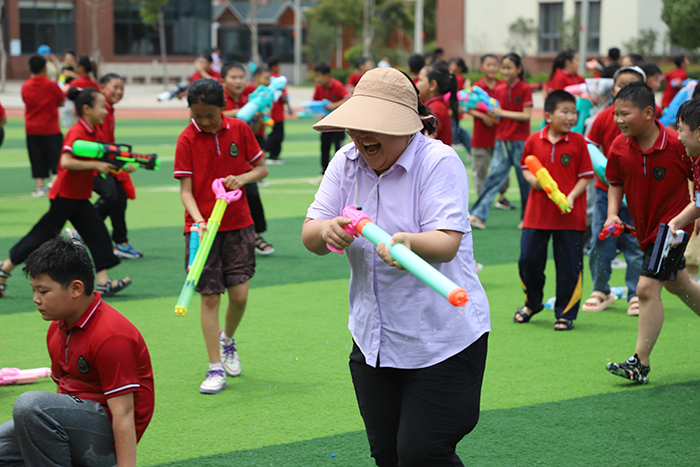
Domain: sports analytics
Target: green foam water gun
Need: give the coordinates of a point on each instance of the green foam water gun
(116, 154)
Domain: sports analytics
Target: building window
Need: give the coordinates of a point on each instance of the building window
(272, 41)
(551, 15)
(187, 29)
(46, 22)
(593, 25)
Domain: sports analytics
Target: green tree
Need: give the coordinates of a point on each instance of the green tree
(644, 44)
(682, 18)
(151, 12)
(521, 34)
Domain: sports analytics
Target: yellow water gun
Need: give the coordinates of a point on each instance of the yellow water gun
(548, 184)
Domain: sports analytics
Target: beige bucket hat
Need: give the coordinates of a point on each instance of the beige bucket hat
(385, 101)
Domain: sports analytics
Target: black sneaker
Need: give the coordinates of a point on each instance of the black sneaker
(631, 370)
(504, 205)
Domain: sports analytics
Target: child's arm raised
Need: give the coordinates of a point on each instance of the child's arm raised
(124, 429)
(519, 116)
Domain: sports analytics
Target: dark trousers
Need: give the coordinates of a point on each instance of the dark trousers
(112, 204)
(327, 139)
(256, 208)
(417, 417)
(84, 218)
(568, 259)
(44, 154)
(274, 140)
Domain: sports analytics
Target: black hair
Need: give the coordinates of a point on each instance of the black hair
(86, 62)
(689, 113)
(678, 60)
(429, 58)
(207, 56)
(206, 91)
(423, 110)
(415, 63)
(639, 94)
(614, 54)
(228, 66)
(438, 51)
(261, 69)
(109, 77)
(636, 58)
(650, 69)
(64, 261)
(82, 97)
(323, 68)
(695, 92)
(36, 64)
(446, 82)
(274, 61)
(555, 98)
(517, 61)
(360, 61)
(485, 56)
(72, 52)
(460, 63)
(560, 60)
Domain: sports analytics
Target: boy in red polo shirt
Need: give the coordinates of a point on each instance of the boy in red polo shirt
(100, 363)
(329, 88)
(274, 140)
(674, 79)
(565, 155)
(70, 200)
(215, 146)
(203, 69)
(42, 98)
(649, 165)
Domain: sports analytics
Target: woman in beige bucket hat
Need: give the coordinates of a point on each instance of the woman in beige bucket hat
(417, 362)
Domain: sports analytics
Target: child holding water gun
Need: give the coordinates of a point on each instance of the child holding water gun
(565, 156)
(70, 200)
(674, 79)
(277, 114)
(484, 137)
(602, 133)
(215, 146)
(515, 97)
(649, 165)
(434, 81)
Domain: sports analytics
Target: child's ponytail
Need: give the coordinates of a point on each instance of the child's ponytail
(454, 104)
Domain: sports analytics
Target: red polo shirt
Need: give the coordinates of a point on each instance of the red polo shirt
(83, 82)
(42, 98)
(444, 124)
(75, 184)
(102, 356)
(214, 75)
(247, 91)
(235, 104)
(655, 182)
(602, 133)
(334, 92)
(514, 97)
(562, 79)
(106, 130)
(567, 161)
(205, 157)
(277, 112)
(483, 136)
(669, 91)
(354, 78)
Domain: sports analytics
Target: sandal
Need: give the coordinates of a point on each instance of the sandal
(262, 247)
(598, 301)
(526, 318)
(108, 289)
(633, 308)
(567, 323)
(3, 286)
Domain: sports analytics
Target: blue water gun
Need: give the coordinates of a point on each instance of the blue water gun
(314, 109)
(261, 100)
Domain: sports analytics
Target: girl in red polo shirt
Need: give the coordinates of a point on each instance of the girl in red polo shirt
(70, 200)
(85, 67)
(434, 81)
(564, 72)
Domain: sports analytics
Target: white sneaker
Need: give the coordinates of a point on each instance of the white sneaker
(229, 358)
(215, 382)
(39, 192)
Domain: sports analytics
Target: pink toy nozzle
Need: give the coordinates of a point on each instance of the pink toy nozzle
(217, 186)
(355, 216)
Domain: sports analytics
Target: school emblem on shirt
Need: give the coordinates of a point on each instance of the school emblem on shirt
(83, 366)
(565, 159)
(517, 99)
(233, 150)
(659, 173)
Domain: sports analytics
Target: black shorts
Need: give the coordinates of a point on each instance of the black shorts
(231, 260)
(670, 266)
(44, 154)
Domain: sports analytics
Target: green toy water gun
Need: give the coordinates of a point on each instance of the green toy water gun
(223, 198)
(116, 154)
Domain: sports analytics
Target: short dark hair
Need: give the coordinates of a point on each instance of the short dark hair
(323, 68)
(206, 91)
(36, 64)
(555, 98)
(261, 69)
(460, 64)
(64, 261)
(360, 61)
(438, 51)
(416, 62)
(109, 77)
(650, 68)
(635, 58)
(689, 113)
(679, 59)
(485, 56)
(639, 94)
(614, 53)
(228, 66)
(274, 61)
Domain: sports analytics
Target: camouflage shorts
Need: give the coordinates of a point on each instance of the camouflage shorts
(231, 260)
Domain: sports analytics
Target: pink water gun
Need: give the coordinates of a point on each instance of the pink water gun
(15, 375)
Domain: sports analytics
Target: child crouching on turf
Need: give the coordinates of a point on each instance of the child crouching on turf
(565, 155)
(215, 146)
(649, 165)
(70, 200)
(100, 363)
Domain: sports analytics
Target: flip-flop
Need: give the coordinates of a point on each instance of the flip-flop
(3, 287)
(633, 308)
(108, 290)
(524, 315)
(598, 301)
(568, 324)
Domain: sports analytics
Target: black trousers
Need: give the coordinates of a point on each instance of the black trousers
(84, 218)
(417, 417)
(44, 154)
(112, 204)
(274, 140)
(327, 139)
(256, 208)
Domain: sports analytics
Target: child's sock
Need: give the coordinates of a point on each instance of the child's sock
(215, 366)
(227, 340)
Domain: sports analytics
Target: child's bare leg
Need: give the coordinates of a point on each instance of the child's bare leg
(210, 325)
(651, 316)
(685, 289)
(237, 301)
(102, 277)
(7, 266)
